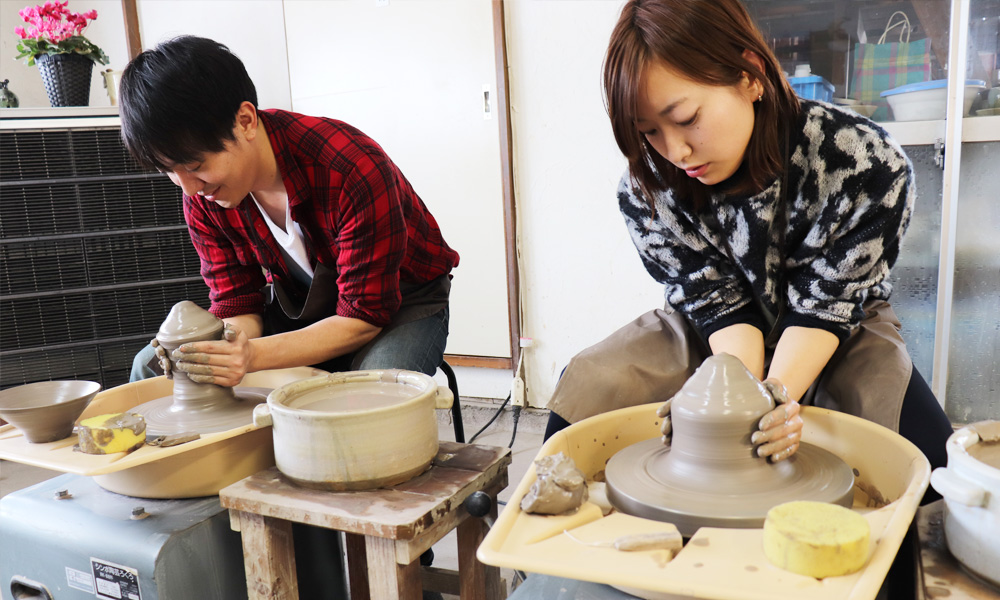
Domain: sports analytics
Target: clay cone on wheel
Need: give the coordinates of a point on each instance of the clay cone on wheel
(710, 475)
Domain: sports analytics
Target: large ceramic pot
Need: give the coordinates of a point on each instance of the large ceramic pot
(970, 485)
(354, 430)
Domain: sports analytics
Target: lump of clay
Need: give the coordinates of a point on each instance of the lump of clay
(560, 488)
(107, 434)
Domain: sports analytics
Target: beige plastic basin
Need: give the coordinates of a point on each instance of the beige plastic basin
(725, 564)
(193, 469)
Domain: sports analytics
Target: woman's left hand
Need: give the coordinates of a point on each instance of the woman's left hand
(224, 362)
(781, 428)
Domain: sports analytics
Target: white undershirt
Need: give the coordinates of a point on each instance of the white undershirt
(292, 244)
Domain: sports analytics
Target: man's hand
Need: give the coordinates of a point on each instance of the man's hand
(781, 428)
(224, 362)
(666, 427)
(162, 358)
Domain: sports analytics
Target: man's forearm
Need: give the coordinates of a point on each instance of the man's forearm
(251, 324)
(321, 341)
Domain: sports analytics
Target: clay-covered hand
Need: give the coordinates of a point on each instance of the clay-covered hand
(781, 428)
(162, 358)
(666, 427)
(222, 362)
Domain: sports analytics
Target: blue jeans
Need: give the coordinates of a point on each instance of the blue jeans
(414, 346)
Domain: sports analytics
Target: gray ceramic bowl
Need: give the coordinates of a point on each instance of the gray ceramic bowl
(45, 411)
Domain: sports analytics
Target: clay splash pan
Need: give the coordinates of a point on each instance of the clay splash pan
(60, 456)
(726, 564)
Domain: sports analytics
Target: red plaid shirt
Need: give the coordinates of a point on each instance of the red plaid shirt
(359, 217)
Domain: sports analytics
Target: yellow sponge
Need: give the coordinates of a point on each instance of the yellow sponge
(107, 434)
(816, 539)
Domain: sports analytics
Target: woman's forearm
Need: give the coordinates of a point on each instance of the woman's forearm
(800, 356)
(743, 341)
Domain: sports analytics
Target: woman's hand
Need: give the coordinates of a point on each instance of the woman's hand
(667, 426)
(224, 362)
(781, 428)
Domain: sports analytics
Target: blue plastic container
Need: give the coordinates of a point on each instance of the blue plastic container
(812, 87)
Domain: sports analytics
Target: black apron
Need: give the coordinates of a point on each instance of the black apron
(286, 311)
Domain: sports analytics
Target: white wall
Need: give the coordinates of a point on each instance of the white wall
(107, 31)
(581, 277)
(253, 29)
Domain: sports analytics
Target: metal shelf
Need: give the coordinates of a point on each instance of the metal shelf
(919, 133)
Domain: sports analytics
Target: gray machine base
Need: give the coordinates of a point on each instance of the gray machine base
(88, 545)
(549, 587)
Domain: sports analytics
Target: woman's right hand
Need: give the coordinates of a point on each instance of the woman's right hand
(666, 427)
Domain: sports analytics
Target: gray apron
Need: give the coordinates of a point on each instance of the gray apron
(286, 312)
(649, 359)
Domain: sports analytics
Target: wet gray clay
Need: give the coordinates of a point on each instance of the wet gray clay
(710, 475)
(188, 322)
(196, 407)
(560, 488)
(45, 411)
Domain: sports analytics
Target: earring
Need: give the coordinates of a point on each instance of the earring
(760, 97)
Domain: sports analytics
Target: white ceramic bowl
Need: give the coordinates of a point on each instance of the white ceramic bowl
(927, 100)
(971, 490)
(354, 430)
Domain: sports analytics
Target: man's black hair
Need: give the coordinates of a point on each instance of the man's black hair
(179, 101)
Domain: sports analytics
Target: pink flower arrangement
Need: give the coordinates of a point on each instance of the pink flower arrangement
(53, 29)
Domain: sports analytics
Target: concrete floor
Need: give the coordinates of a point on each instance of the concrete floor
(476, 413)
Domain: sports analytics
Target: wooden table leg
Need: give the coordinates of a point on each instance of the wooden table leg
(357, 566)
(477, 581)
(387, 579)
(269, 558)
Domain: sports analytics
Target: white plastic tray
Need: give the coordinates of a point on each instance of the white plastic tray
(725, 564)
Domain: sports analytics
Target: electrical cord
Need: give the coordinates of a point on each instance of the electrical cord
(490, 422)
(516, 415)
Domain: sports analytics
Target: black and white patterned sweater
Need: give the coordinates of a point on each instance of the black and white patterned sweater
(851, 194)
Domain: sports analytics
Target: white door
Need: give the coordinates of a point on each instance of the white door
(419, 78)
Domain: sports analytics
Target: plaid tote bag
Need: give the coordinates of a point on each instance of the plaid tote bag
(886, 65)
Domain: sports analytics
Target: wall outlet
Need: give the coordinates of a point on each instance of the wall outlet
(517, 396)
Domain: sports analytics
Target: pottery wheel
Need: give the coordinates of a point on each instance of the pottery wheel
(164, 417)
(642, 481)
(710, 475)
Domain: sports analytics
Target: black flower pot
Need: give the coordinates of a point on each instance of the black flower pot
(66, 78)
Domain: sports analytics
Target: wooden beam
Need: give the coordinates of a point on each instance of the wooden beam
(507, 178)
(489, 362)
(131, 12)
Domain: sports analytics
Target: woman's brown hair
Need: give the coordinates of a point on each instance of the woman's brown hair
(702, 40)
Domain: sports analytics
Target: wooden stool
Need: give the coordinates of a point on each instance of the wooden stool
(386, 530)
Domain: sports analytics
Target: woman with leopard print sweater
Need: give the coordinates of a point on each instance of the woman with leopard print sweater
(772, 222)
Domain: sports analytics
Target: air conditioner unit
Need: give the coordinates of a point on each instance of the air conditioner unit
(94, 251)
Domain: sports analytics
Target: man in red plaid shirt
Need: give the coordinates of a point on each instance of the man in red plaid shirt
(315, 248)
